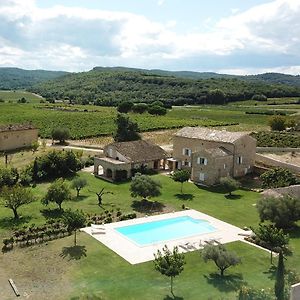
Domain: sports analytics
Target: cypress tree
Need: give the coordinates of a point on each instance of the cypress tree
(279, 284)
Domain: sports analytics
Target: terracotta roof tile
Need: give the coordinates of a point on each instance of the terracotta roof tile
(139, 151)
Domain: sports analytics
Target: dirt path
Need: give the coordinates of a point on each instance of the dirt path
(291, 158)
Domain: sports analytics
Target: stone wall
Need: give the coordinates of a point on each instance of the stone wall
(259, 158)
(17, 139)
(295, 292)
(275, 149)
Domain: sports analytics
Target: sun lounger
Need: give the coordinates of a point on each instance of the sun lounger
(213, 241)
(96, 226)
(190, 246)
(97, 231)
(183, 246)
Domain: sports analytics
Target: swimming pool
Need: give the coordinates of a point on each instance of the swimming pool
(164, 230)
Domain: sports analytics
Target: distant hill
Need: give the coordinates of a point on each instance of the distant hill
(275, 78)
(272, 78)
(15, 78)
(109, 86)
(178, 74)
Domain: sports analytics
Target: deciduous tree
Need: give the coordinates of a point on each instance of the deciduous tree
(125, 106)
(271, 237)
(181, 176)
(58, 192)
(169, 263)
(16, 196)
(277, 177)
(277, 123)
(127, 130)
(74, 220)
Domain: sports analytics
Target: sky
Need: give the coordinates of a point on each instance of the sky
(232, 36)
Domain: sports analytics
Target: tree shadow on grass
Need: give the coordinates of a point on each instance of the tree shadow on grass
(233, 197)
(73, 252)
(213, 189)
(146, 206)
(168, 297)
(271, 272)
(11, 222)
(52, 213)
(79, 198)
(226, 283)
(185, 197)
(294, 232)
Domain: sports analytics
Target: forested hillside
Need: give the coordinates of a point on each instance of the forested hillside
(275, 78)
(15, 78)
(108, 86)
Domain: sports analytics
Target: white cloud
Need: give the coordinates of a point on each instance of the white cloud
(293, 70)
(76, 38)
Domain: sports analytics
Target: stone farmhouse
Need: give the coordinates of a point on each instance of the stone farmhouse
(122, 159)
(211, 154)
(17, 136)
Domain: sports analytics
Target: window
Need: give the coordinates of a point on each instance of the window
(201, 161)
(110, 152)
(239, 160)
(186, 163)
(224, 166)
(201, 176)
(186, 151)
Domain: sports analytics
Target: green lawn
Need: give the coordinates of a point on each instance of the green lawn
(239, 211)
(93, 270)
(109, 276)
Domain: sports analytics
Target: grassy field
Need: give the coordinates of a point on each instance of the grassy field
(69, 272)
(14, 96)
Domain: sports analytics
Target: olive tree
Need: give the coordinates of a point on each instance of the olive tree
(169, 263)
(283, 211)
(229, 184)
(144, 186)
(222, 258)
(78, 184)
(60, 134)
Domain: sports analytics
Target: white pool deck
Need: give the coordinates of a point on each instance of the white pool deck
(135, 254)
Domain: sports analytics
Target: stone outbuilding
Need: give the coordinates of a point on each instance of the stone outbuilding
(17, 136)
(122, 159)
(211, 154)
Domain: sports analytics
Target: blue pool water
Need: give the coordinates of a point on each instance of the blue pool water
(164, 230)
